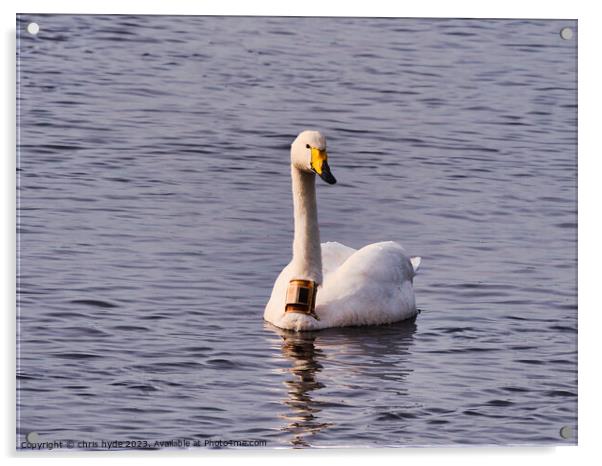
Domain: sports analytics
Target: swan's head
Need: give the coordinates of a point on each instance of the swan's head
(308, 154)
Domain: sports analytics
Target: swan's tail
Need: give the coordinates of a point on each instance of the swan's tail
(416, 262)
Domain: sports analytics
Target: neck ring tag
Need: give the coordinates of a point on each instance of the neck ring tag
(301, 297)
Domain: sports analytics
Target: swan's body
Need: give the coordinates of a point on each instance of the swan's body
(369, 286)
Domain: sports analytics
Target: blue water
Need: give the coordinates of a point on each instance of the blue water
(154, 213)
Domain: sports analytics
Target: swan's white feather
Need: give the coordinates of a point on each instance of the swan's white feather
(369, 286)
(416, 262)
(333, 256)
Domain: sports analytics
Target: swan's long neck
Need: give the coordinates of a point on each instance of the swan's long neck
(307, 254)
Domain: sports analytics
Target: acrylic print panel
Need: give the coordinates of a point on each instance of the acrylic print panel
(155, 213)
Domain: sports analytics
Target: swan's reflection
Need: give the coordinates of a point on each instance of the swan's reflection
(300, 349)
(364, 351)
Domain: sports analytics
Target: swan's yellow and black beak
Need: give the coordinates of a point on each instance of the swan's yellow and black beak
(319, 164)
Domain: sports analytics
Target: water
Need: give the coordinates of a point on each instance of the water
(155, 212)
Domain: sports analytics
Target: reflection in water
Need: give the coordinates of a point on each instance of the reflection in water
(309, 352)
(300, 349)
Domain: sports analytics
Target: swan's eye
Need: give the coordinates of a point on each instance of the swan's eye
(307, 146)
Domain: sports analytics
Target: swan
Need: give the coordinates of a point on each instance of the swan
(333, 285)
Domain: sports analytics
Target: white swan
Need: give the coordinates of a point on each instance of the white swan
(369, 286)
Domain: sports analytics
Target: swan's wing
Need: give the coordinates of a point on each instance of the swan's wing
(383, 261)
(374, 285)
(333, 256)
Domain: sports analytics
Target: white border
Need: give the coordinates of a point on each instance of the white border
(430, 8)
(590, 126)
